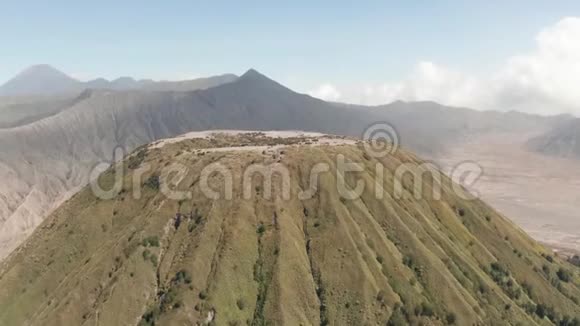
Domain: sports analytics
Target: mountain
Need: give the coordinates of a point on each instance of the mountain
(44, 162)
(189, 85)
(44, 80)
(431, 128)
(259, 259)
(122, 83)
(40, 80)
(561, 141)
(25, 110)
(50, 96)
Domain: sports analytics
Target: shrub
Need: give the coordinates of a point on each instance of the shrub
(380, 259)
(482, 288)
(499, 273)
(564, 275)
(568, 321)
(541, 310)
(182, 276)
(450, 318)
(408, 261)
(548, 258)
(428, 309)
(154, 260)
(527, 288)
(397, 319)
(497, 267)
(529, 307)
(381, 296)
(150, 317)
(203, 295)
(136, 160)
(152, 241)
(153, 182)
(546, 269)
(261, 228)
(575, 260)
(241, 304)
(168, 299)
(425, 309)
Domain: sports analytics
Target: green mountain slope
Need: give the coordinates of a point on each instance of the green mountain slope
(325, 260)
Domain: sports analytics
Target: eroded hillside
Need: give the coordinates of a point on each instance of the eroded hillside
(42, 163)
(321, 259)
(562, 141)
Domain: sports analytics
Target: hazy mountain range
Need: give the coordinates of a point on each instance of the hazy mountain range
(46, 156)
(562, 141)
(41, 91)
(46, 80)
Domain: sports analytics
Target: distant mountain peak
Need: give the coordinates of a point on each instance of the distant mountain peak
(44, 79)
(100, 79)
(39, 79)
(42, 71)
(124, 79)
(253, 74)
(254, 77)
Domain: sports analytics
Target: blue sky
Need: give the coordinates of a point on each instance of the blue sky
(299, 43)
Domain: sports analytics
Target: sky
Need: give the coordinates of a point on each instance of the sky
(501, 55)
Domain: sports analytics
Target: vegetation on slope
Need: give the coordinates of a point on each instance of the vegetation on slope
(252, 261)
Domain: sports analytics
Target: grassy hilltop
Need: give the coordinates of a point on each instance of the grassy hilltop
(325, 260)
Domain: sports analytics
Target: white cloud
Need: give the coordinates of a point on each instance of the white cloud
(326, 92)
(545, 81)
